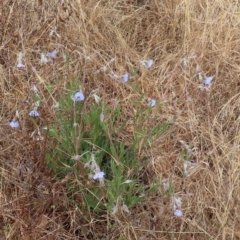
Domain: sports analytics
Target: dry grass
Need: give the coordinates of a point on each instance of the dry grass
(166, 31)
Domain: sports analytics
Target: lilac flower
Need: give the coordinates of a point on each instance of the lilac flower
(99, 175)
(78, 96)
(14, 124)
(208, 80)
(151, 102)
(125, 77)
(176, 203)
(178, 213)
(53, 54)
(96, 173)
(147, 63)
(34, 113)
(20, 65)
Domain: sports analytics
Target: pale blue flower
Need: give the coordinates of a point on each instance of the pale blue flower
(148, 63)
(208, 80)
(151, 102)
(14, 124)
(125, 77)
(78, 96)
(20, 65)
(53, 54)
(178, 213)
(34, 113)
(99, 175)
(177, 206)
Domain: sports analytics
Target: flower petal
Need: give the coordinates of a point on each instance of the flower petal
(99, 175)
(125, 77)
(148, 63)
(78, 96)
(20, 65)
(52, 54)
(14, 124)
(178, 213)
(34, 113)
(208, 80)
(151, 102)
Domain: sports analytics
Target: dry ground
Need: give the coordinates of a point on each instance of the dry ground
(180, 36)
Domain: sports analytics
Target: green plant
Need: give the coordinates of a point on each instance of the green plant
(87, 145)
